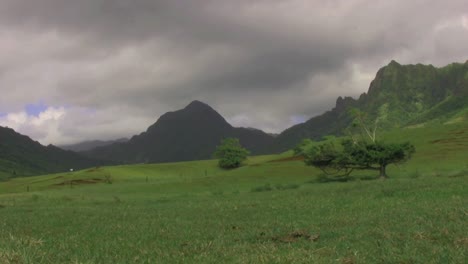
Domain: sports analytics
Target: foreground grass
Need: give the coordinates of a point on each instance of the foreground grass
(271, 211)
(402, 220)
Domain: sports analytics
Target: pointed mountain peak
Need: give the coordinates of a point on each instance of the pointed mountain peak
(343, 103)
(194, 114)
(394, 63)
(197, 105)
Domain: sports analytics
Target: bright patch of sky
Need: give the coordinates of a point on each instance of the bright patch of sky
(62, 125)
(37, 120)
(453, 22)
(35, 109)
(465, 21)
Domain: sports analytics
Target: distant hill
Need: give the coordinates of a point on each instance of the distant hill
(21, 156)
(88, 145)
(191, 133)
(400, 95)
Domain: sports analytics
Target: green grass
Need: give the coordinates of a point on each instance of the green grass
(264, 212)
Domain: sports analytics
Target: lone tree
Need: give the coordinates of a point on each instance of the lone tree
(230, 153)
(351, 155)
(363, 152)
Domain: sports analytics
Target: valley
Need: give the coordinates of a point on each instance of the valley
(272, 210)
(251, 131)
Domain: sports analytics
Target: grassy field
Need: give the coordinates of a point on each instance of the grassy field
(273, 210)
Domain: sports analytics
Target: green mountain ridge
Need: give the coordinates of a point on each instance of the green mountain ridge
(399, 96)
(21, 156)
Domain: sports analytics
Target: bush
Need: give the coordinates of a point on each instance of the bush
(230, 153)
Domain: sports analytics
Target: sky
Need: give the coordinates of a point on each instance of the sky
(105, 69)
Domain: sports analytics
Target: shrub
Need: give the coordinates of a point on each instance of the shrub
(230, 153)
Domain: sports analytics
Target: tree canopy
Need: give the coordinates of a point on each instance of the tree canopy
(358, 151)
(230, 153)
(351, 155)
(300, 148)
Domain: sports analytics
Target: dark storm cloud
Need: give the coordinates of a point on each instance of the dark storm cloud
(263, 63)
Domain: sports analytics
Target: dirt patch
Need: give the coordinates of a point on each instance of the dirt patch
(80, 181)
(444, 141)
(462, 242)
(437, 141)
(293, 158)
(458, 132)
(460, 141)
(348, 260)
(295, 236)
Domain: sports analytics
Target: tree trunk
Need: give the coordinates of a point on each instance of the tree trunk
(383, 173)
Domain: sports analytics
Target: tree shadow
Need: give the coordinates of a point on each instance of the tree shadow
(324, 178)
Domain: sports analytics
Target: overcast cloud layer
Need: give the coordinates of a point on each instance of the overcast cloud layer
(103, 69)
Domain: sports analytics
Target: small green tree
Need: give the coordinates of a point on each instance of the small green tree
(306, 143)
(230, 153)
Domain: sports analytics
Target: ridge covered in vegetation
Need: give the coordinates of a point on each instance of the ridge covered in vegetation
(21, 156)
(399, 96)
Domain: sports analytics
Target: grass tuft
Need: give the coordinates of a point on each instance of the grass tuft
(286, 186)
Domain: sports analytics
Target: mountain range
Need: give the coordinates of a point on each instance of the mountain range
(399, 96)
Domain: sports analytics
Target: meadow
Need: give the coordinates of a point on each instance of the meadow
(272, 210)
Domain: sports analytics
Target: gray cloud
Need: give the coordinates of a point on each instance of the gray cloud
(262, 63)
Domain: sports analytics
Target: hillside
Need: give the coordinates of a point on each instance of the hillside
(21, 156)
(400, 95)
(191, 133)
